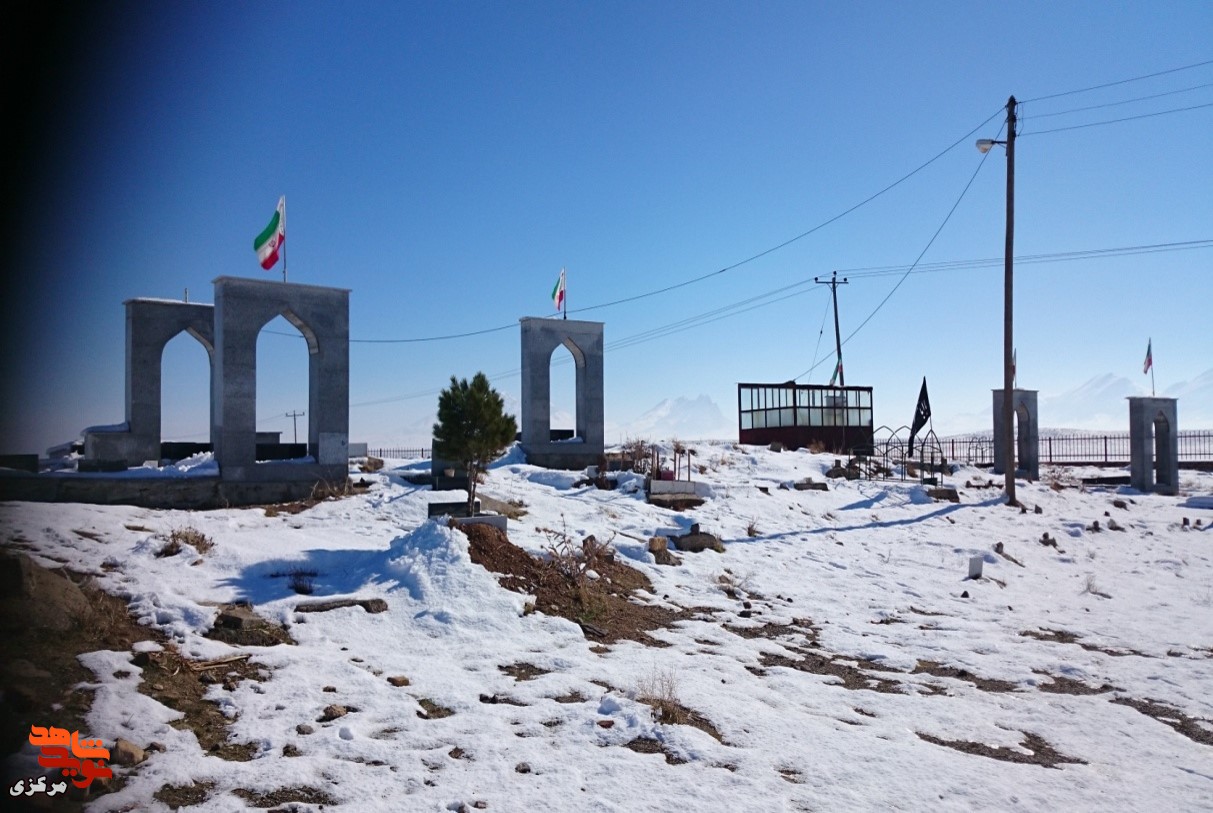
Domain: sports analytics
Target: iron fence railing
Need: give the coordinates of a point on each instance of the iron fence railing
(1111, 448)
(401, 453)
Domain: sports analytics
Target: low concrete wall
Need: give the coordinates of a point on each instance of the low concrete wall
(679, 487)
(189, 493)
(495, 521)
(566, 456)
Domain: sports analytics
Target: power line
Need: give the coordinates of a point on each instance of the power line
(873, 272)
(803, 234)
(1116, 121)
(1119, 103)
(821, 331)
(1121, 81)
(709, 275)
(767, 251)
(755, 302)
(699, 321)
(1027, 259)
(925, 248)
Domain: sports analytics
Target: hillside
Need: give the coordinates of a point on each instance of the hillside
(833, 657)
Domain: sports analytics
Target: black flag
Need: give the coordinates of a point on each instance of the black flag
(921, 414)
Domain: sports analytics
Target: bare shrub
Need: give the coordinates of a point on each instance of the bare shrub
(817, 447)
(188, 535)
(1059, 478)
(572, 561)
(733, 586)
(170, 548)
(637, 452)
(324, 490)
(302, 581)
(751, 530)
(659, 689)
(514, 509)
(1092, 588)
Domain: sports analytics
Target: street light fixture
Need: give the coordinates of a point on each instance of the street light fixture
(984, 145)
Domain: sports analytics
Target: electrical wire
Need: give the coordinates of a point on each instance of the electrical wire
(821, 332)
(804, 234)
(1121, 81)
(703, 277)
(925, 248)
(1117, 121)
(855, 273)
(1119, 103)
(1025, 259)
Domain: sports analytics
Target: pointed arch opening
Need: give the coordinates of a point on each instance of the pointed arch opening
(283, 368)
(186, 370)
(565, 364)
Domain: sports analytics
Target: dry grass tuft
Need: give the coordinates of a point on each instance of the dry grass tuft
(188, 535)
(1092, 588)
(660, 690)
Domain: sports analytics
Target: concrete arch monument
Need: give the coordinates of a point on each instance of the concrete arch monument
(1027, 447)
(540, 338)
(150, 325)
(1154, 445)
(242, 308)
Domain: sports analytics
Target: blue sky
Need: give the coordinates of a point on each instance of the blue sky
(445, 160)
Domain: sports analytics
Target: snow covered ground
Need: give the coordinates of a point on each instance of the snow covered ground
(830, 644)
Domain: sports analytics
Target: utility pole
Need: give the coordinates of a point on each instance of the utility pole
(1008, 350)
(294, 416)
(834, 283)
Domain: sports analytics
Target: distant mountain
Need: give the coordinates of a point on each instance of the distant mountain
(1195, 401)
(683, 418)
(1099, 405)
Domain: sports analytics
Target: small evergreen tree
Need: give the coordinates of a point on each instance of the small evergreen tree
(472, 428)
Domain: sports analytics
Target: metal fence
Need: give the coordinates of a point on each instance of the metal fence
(1195, 446)
(401, 454)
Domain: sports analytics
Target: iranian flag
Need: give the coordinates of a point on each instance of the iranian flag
(558, 292)
(272, 238)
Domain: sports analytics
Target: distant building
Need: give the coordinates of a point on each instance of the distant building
(836, 419)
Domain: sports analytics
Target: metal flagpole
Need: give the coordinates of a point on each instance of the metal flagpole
(284, 238)
(565, 279)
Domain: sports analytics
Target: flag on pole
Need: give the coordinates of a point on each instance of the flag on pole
(837, 371)
(1149, 357)
(270, 241)
(922, 413)
(558, 292)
